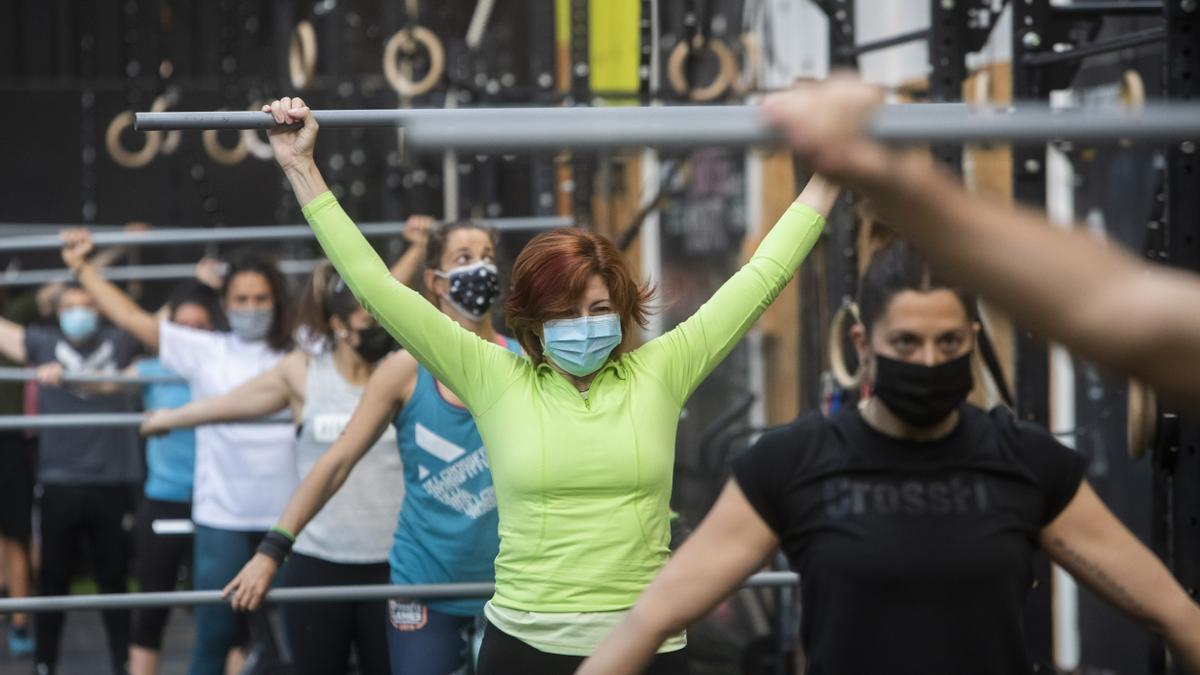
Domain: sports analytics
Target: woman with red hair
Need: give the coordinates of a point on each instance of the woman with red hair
(580, 436)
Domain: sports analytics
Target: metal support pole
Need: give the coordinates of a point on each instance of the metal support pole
(894, 41)
(548, 129)
(100, 420)
(1032, 366)
(168, 272)
(30, 375)
(1126, 41)
(229, 235)
(482, 589)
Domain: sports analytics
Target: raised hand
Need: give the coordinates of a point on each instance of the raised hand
(292, 144)
(416, 230)
(825, 123)
(77, 246)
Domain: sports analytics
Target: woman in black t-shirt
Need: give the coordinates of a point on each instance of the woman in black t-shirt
(913, 519)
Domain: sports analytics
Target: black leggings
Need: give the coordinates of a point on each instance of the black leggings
(321, 634)
(503, 654)
(92, 515)
(159, 560)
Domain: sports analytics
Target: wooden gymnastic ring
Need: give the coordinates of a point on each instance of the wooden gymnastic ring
(408, 39)
(126, 158)
(1141, 420)
(725, 70)
(221, 154)
(257, 147)
(170, 143)
(981, 88)
(837, 357)
(747, 78)
(302, 55)
(1133, 90)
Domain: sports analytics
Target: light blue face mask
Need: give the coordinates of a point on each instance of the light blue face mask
(580, 346)
(78, 323)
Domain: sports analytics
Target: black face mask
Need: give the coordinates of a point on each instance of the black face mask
(473, 288)
(921, 395)
(374, 343)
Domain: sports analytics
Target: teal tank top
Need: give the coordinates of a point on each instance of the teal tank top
(447, 529)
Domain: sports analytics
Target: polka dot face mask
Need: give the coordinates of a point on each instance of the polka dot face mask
(473, 288)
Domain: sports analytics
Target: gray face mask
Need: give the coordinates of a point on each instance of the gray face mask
(250, 324)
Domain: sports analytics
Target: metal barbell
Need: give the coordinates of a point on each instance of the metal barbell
(548, 129)
(482, 589)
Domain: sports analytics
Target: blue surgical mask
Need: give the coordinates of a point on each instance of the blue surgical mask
(580, 346)
(78, 323)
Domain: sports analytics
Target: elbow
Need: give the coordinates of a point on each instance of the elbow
(659, 620)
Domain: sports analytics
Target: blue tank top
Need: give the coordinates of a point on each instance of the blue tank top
(447, 530)
(170, 458)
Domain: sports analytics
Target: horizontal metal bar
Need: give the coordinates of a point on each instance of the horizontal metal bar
(533, 129)
(16, 277)
(228, 235)
(551, 128)
(100, 420)
(29, 374)
(1117, 8)
(1127, 41)
(1034, 123)
(876, 45)
(483, 589)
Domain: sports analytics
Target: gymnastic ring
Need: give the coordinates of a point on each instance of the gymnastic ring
(746, 79)
(1133, 90)
(981, 88)
(408, 39)
(725, 69)
(837, 357)
(171, 142)
(1141, 420)
(256, 146)
(126, 158)
(302, 55)
(221, 154)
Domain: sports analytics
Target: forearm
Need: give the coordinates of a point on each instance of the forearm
(306, 180)
(230, 407)
(628, 649)
(1183, 637)
(12, 341)
(819, 194)
(1065, 285)
(116, 306)
(406, 268)
(326, 478)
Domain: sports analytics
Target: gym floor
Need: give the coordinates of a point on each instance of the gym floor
(83, 646)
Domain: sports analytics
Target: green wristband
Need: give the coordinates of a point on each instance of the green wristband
(279, 530)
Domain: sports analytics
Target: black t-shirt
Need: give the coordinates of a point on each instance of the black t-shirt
(82, 455)
(913, 557)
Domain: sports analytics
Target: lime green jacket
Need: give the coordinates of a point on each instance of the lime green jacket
(582, 484)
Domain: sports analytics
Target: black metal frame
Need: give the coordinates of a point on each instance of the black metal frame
(1177, 464)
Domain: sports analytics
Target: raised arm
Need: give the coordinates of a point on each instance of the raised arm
(684, 356)
(1062, 284)
(389, 387)
(1090, 543)
(268, 393)
(110, 300)
(474, 369)
(728, 546)
(416, 233)
(12, 341)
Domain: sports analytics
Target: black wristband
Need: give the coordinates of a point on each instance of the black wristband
(275, 546)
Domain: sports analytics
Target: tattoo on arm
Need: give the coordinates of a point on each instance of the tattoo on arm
(1096, 575)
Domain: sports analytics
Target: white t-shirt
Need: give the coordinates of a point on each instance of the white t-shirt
(245, 473)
